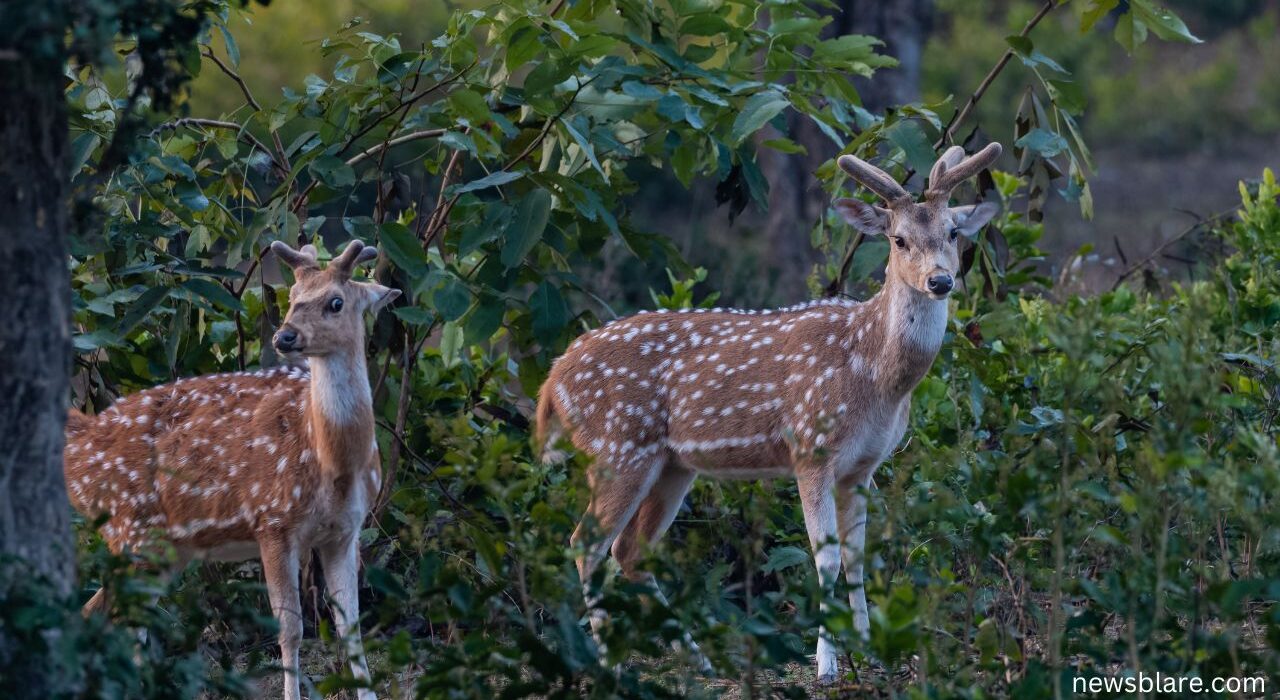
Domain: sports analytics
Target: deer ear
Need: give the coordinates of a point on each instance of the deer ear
(379, 296)
(970, 219)
(867, 218)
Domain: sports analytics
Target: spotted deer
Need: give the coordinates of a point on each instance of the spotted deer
(818, 392)
(269, 464)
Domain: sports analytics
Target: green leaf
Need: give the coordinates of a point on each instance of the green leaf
(496, 179)
(1098, 10)
(453, 299)
(140, 309)
(526, 227)
(1130, 32)
(704, 24)
(81, 148)
(1164, 23)
(1047, 143)
(470, 105)
(414, 315)
(214, 292)
(578, 133)
(485, 319)
(233, 49)
(332, 171)
(1067, 95)
(758, 110)
(781, 558)
(451, 340)
(907, 135)
(550, 313)
(402, 247)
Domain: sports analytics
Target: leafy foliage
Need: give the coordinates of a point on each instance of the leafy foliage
(1087, 488)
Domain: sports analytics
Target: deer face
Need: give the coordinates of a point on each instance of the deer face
(327, 307)
(924, 238)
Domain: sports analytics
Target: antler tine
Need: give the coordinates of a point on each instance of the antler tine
(948, 160)
(873, 178)
(304, 259)
(354, 254)
(951, 177)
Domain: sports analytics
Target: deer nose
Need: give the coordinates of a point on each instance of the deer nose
(940, 284)
(286, 339)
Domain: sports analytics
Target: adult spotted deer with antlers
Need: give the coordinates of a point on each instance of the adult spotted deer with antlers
(819, 392)
(270, 464)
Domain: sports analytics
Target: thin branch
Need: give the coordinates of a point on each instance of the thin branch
(1159, 250)
(949, 132)
(248, 96)
(838, 283)
(409, 101)
(241, 131)
(378, 148)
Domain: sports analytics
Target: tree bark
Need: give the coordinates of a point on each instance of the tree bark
(796, 199)
(35, 339)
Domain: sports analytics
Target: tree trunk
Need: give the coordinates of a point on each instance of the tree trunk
(796, 199)
(35, 341)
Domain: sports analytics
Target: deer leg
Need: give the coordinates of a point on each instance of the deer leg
(648, 526)
(851, 501)
(99, 603)
(818, 502)
(341, 576)
(616, 495)
(280, 568)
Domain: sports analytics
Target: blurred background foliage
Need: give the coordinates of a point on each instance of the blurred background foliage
(1088, 481)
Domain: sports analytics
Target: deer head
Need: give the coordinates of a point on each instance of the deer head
(925, 235)
(326, 306)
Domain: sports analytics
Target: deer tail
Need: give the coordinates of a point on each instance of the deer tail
(548, 428)
(77, 423)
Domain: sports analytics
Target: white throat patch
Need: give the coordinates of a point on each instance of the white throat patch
(340, 387)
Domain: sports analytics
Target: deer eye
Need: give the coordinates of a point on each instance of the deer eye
(955, 233)
(900, 242)
(335, 305)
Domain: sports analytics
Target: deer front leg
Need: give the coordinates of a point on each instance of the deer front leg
(818, 502)
(341, 576)
(280, 568)
(851, 501)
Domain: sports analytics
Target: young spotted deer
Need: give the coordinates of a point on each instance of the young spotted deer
(269, 464)
(818, 392)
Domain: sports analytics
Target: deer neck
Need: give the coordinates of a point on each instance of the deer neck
(912, 325)
(341, 410)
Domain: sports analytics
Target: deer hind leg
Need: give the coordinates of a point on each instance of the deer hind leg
(818, 502)
(650, 523)
(280, 568)
(616, 495)
(341, 576)
(851, 502)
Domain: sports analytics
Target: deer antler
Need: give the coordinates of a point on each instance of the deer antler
(946, 176)
(304, 259)
(355, 254)
(949, 159)
(873, 178)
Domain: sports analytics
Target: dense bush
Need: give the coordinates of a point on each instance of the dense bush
(1085, 489)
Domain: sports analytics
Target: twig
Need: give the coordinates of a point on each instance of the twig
(248, 96)
(949, 132)
(838, 283)
(389, 143)
(241, 131)
(1159, 250)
